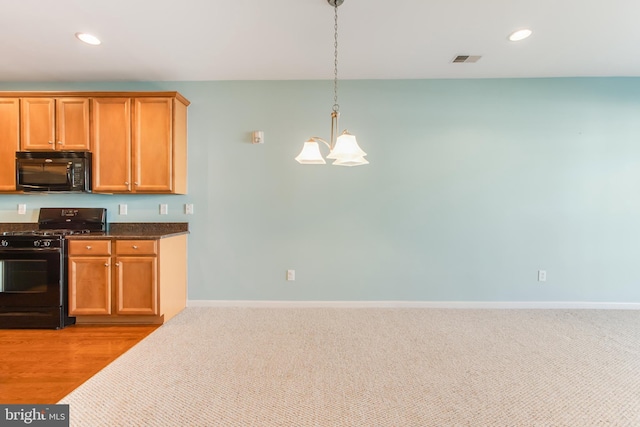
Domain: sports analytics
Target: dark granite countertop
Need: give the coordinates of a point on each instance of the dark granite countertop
(118, 230)
(138, 230)
(18, 226)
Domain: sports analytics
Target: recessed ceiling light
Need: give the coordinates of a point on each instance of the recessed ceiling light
(88, 38)
(516, 36)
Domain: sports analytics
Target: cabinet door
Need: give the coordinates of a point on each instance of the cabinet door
(38, 124)
(89, 286)
(153, 145)
(136, 285)
(9, 142)
(72, 124)
(111, 141)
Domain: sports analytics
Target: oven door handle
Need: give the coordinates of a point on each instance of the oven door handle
(38, 250)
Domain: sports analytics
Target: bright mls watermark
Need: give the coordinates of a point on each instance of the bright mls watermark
(34, 415)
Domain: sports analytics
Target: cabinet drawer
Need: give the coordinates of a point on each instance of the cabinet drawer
(89, 247)
(136, 247)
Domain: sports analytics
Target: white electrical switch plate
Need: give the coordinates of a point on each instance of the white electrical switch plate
(22, 209)
(123, 209)
(291, 275)
(164, 209)
(188, 208)
(257, 137)
(542, 275)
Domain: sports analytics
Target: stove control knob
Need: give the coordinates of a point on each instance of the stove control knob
(46, 243)
(36, 243)
(4, 243)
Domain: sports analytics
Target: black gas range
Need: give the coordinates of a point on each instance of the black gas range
(33, 268)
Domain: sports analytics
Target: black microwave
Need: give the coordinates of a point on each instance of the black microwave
(53, 171)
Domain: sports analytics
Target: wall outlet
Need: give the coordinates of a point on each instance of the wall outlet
(188, 208)
(164, 209)
(22, 209)
(123, 209)
(542, 275)
(291, 275)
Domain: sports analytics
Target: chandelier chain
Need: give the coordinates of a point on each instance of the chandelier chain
(336, 107)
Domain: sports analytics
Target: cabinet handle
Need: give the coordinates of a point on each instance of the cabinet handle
(88, 247)
(106, 264)
(117, 264)
(135, 247)
(135, 183)
(126, 183)
(51, 142)
(60, 142)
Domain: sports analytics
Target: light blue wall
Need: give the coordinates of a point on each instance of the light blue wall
(473, 186)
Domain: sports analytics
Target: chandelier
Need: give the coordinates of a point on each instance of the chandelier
(343, 148)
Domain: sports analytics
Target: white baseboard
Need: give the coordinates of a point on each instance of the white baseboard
(572, 305)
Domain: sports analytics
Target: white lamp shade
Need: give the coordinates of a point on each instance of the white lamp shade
(310, 154)
(346, 148)
(351, 161)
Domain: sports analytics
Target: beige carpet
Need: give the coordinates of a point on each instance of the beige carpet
(373, 367)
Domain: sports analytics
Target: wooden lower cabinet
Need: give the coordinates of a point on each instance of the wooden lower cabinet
(89, 285)
(127, 281)
(136, 285)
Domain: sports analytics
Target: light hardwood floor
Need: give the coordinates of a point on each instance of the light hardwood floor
(43, 366)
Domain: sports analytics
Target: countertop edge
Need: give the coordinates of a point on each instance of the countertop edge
(115, 230)
(125, 236)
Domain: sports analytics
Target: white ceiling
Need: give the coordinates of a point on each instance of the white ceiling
(176, 40)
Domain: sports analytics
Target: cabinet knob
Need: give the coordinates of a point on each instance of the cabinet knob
(135, 183)
(117, 264)
(106, 264)
(60, 142)
(88, 247)
(126, 183)
(135, 247)
(51, 142)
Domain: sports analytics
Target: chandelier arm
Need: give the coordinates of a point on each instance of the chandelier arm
(318, 139)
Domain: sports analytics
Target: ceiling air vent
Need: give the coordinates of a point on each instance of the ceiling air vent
(466, 59)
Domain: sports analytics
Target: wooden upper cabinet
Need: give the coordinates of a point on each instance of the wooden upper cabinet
(139, 145)
(138, 139)
(111, 145)
(9, 142)
(38, 124)
(153, 145)
(72, 124)
(55, 124)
